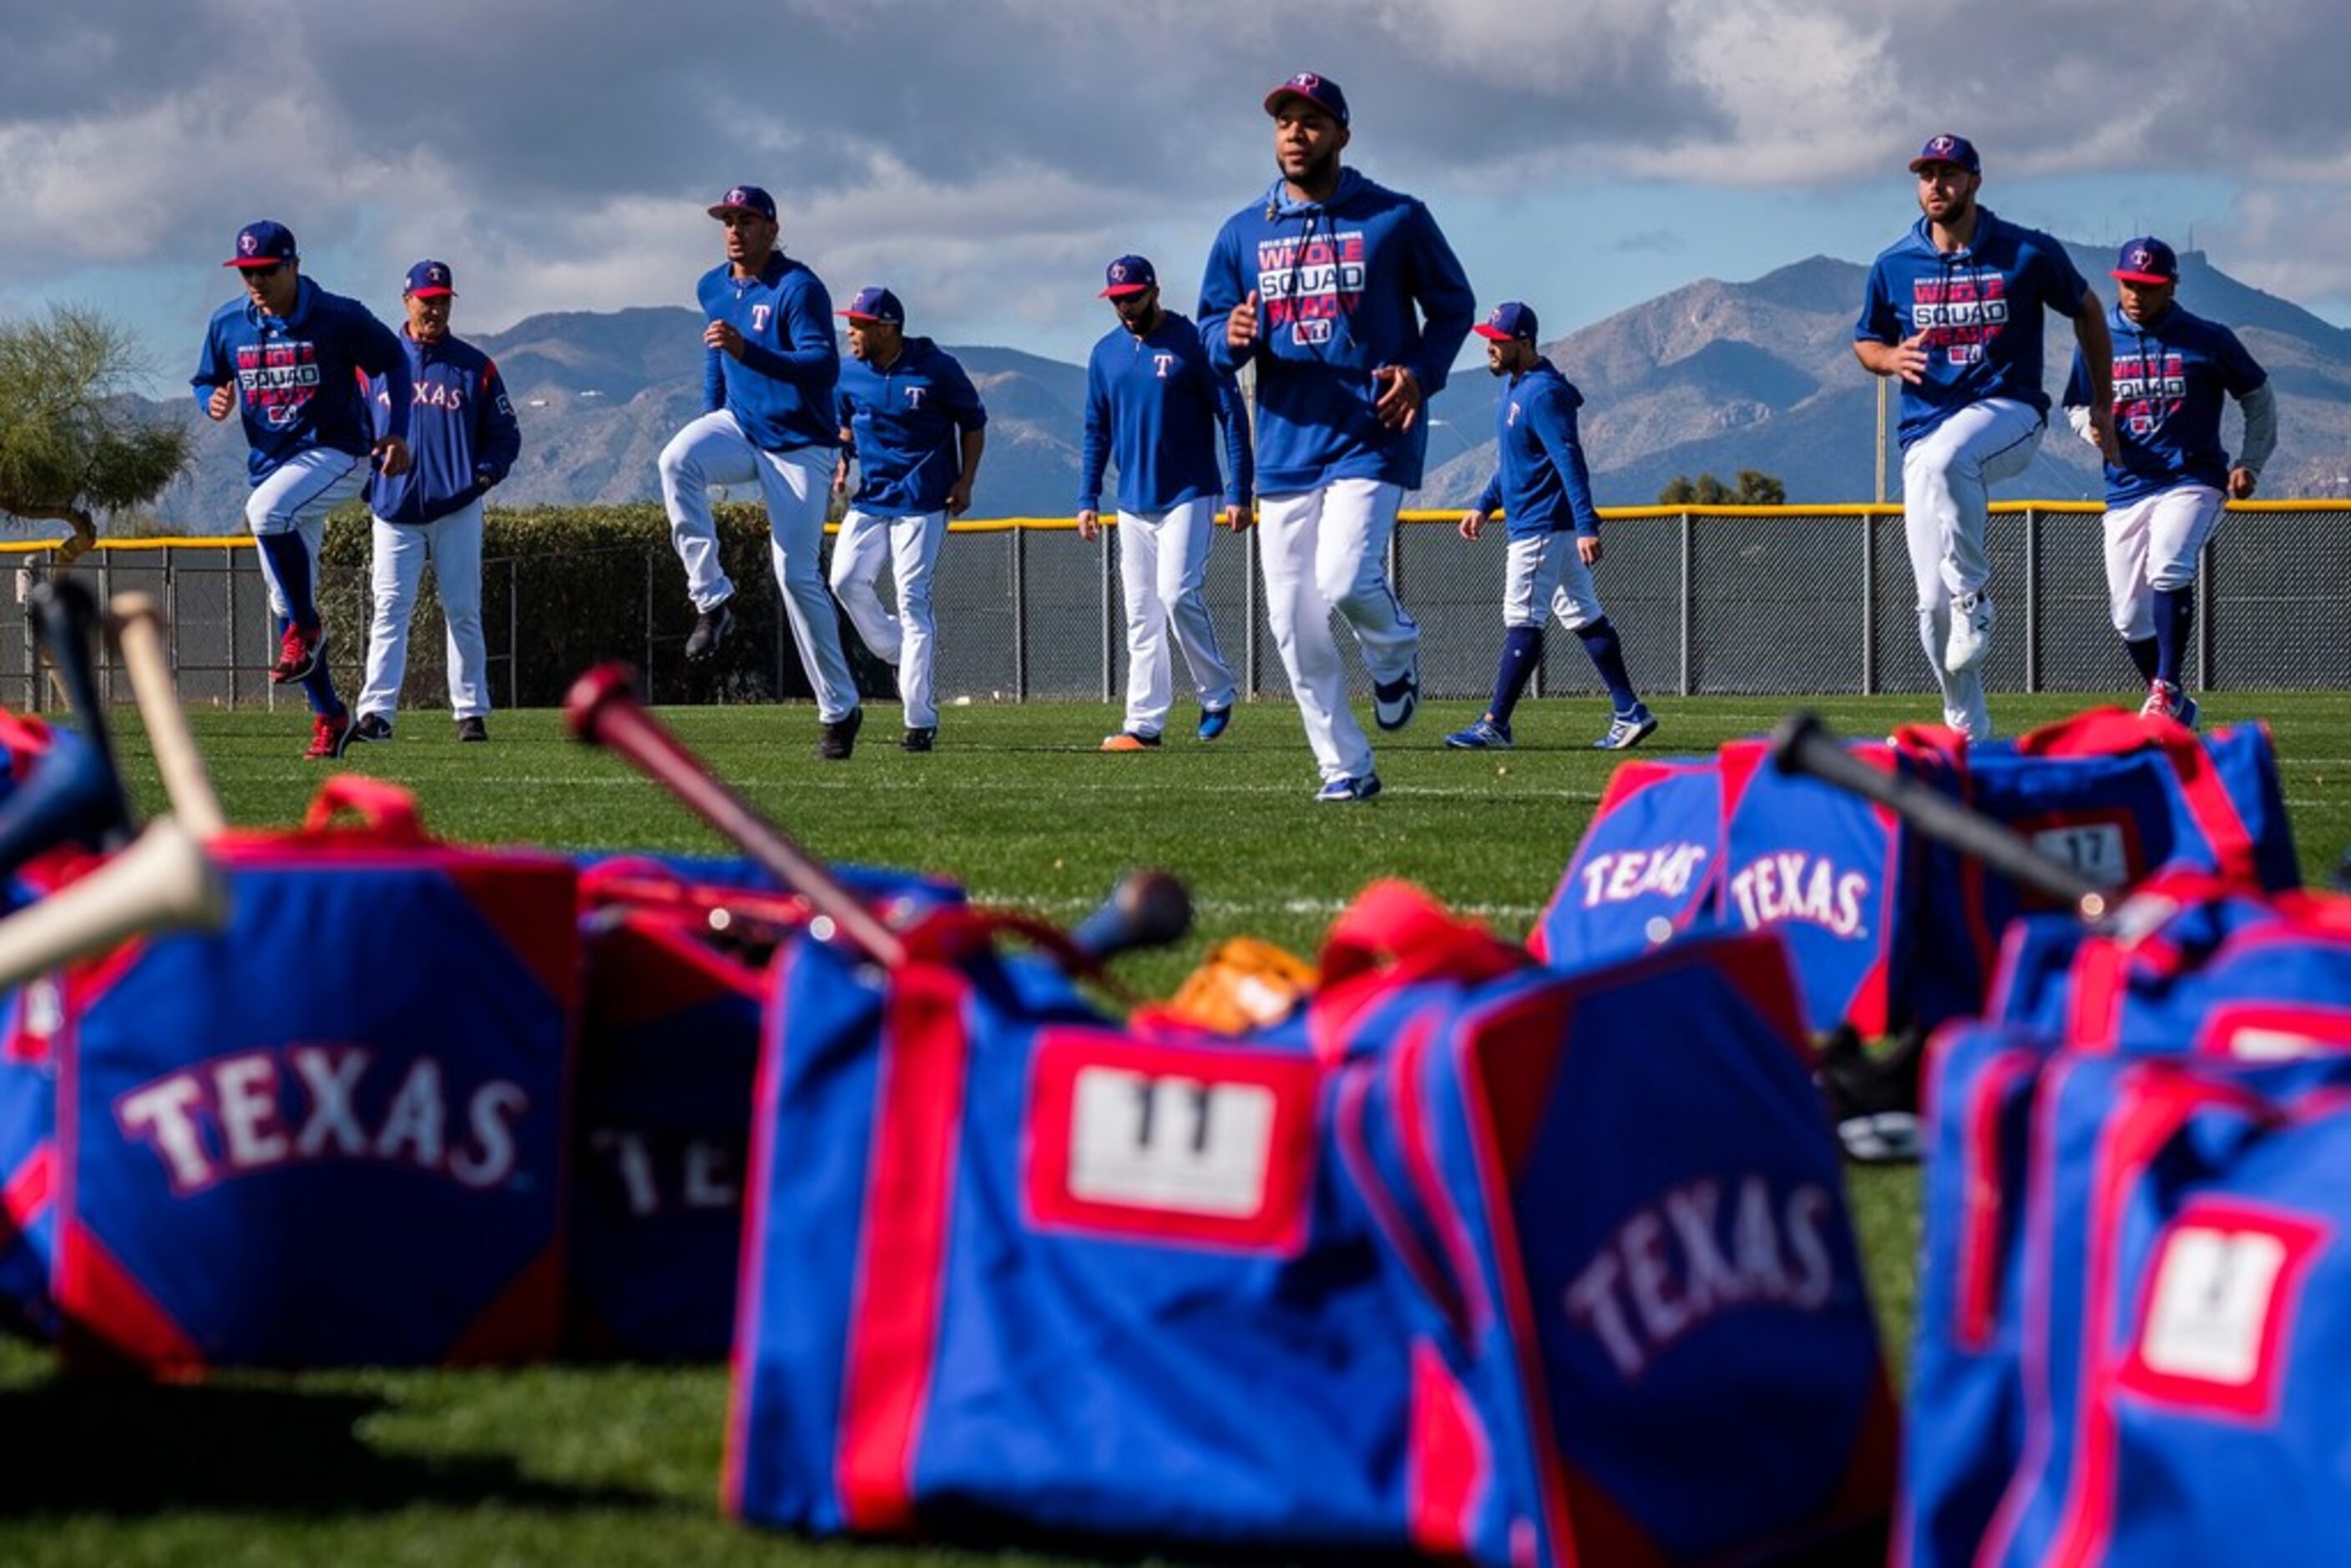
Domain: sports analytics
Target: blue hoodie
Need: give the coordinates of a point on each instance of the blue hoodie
(1542, 485)
(300, 381)
(1337, 283)
(904, 426)
(1980, 307)
(781, 389)
(461, 432)
(1152, 405)
(2171, 378)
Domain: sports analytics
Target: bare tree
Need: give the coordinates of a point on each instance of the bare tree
(73, 442)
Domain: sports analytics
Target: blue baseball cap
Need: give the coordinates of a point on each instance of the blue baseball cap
(2147, 260)
(1947, 148)
(264, 243)
(876, 304)
(745, 199)
(430, 280)
(1128, 275)
(1510, 322)
(1318, 90)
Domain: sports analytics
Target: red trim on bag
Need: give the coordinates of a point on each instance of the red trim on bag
(653, 966)
(1525, 1343)
(898, 1292)
(2094, 1006)
(1387, 1216)
(106, 1319)
(1392, 935)
(1445, 1460)
(523, 1322)
(532, 902)
(2153, 1101)
(28, 1193)
(2108, 732)
(386, 811)
(1975, 1312)
(1127, 1200)
(1405, 1067)
(2311, 1028)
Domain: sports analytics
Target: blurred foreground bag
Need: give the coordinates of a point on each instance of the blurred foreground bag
(2132, 1309)
(675, 951)
(333, 1132)
(1472, 1259)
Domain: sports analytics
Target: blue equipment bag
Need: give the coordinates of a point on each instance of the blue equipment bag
(2185, 1253)
(333, 1132)
(1648, 865)
(676, 950)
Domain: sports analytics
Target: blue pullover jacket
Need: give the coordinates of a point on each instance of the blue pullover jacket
(461, 433)
(1153, 406)
(1343, 287)
(2172, 377)
(1542, 485)
(300, 379)
(905, 425)
(1980, 308)
(781, 390)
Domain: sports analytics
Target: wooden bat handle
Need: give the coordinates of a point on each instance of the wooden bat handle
(138, 628)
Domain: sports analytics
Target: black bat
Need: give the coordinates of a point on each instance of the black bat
(1146, 909)
(74, 793)
(1803, 744)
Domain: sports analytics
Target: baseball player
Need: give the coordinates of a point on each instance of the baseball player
(1153, 406)
(1954, 308)
(1347, 301)
(769, 369)
(466, 439)
(913, 422)
(2167, 482)
(1546, 493)
(291, 357)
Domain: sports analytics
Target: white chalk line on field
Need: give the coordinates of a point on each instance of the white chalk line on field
(1317, 908)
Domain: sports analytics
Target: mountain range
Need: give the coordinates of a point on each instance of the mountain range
(1712, 377)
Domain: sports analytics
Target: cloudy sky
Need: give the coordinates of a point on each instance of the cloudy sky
(985, 157)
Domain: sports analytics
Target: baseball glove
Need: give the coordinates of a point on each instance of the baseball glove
(1244, 983)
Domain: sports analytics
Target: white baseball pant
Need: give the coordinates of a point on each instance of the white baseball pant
(2152, 545)
(1546, 574)
(1326, 549)
(454, 545)
(1946, 479)
(713, 450)
(296, 499)
(1162, 560)
(909, 639)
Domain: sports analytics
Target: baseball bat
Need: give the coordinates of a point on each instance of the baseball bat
(1147, 908)
(138, 632)
(165, 880)
(67, 618)
(602, 709)
(1803, 744)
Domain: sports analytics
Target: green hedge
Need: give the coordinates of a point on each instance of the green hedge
(591, 584)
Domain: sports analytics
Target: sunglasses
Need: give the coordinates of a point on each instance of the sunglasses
(272, 270)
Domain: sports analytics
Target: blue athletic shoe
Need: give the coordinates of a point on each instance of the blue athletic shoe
(1338, 790)
(1395, 702)
(1486, 735)
(1215, 721)
(1627, 730)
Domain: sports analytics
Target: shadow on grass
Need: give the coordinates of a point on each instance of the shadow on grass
(70, 1446)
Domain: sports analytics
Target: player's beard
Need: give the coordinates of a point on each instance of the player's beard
(1321, 174)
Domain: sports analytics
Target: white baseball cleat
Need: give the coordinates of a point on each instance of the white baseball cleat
(1970, 640)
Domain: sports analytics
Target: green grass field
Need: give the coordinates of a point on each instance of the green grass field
(620, 1464)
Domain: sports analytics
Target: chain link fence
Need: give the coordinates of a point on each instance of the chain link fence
(1750, 601)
